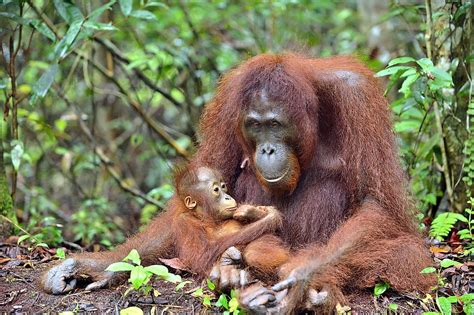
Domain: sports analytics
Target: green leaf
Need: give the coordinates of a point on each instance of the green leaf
(16, 154)
(60, 253)
(393, 306)
(23, 238)
(42, 86)
(199, 292)
(405, 88)
(444, 305)
(61, 48)
(131, 311)
(222, 302)
(133, 256)
(399, 60)
(206, 301)
(144, 15)
(100, 26)
(158, 270)
(392, 70)
(210, 285)
(407, 126)
(233, 304)
(119, 266)
(428, 270)
(98, 12)
(138, 277)
(446, 263)
(68, 11)
(181, 285)
(425, 64)
(380, 288)
(126, 6)
(467, 297)
(43, 29)
(171, 277)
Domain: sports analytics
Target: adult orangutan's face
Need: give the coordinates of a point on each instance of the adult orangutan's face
(271, 135)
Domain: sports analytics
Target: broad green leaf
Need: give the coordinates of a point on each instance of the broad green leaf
(133, 256)
(405, 88)
(43, 29)
(143, 14)
(138, 277)
(233, 304)
(425, 64)
(222, 302)
(380, 288)
(126, 6)
(467, 297)
(61, 48)
(428, 270)
(131, 311)
(17, 154)
(444, 305)
(42, 86)
(407, 126)
(446, 263)
(206, 301)
(392, 70)
(199, 292)
(119, 266)
(399, 60)
(210, 285)
(171, 277)
(158, 270)
(23, 238)
(393, 306)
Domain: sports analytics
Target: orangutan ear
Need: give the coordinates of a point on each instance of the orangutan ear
(190, 203)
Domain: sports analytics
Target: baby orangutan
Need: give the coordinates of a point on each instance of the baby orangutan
(207, 204)
(201, 224)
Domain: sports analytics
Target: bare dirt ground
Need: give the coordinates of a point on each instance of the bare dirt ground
(20, 270)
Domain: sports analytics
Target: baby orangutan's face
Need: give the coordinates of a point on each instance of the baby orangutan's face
(213, 192)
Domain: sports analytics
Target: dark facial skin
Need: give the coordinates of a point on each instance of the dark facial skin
(266, 127)
(214, 189)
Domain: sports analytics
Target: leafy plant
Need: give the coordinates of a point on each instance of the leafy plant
(140, 276)
(444, 223)
(229, 303)
(380, 288)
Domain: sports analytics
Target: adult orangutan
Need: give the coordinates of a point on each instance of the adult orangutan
(316, 136)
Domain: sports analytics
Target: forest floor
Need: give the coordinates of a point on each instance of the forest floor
(20, 270)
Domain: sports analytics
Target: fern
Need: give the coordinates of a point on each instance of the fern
(444, 223)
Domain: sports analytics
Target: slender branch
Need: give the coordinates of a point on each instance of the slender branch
(105, 160)
(138, 109)
(148, 82)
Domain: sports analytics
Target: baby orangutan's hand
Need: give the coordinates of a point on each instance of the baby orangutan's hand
(250, 213)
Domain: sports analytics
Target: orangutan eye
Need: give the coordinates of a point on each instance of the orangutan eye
(224, 187)
(274, 123)
(215, 190)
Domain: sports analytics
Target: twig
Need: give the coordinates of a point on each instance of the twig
(120, 57)
(106, 161)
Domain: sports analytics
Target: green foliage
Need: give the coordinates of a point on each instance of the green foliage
(380, 288)
(443, 223)
(91, 221)
(140, 276)
(228, 303)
